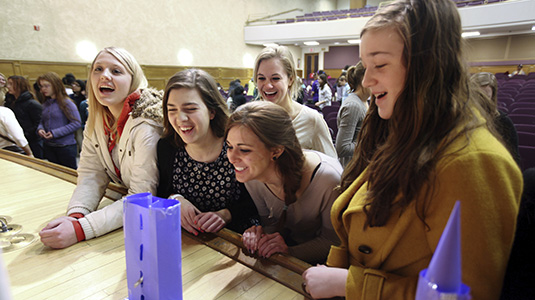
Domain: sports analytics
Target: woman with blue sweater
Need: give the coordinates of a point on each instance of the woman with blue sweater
(59, 121)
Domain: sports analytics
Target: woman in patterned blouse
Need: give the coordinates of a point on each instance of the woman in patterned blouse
(192, 157)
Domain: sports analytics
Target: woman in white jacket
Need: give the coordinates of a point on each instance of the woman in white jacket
(120, 138)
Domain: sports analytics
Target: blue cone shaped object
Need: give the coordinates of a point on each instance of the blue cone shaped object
(153, 247)
(442, 279)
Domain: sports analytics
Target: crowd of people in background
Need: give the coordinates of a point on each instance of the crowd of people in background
(367, 203)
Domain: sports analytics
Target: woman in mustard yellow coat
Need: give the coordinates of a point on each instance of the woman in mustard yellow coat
(425, 143)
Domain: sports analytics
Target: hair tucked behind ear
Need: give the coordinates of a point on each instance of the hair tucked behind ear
(273, 126)
(436, 106)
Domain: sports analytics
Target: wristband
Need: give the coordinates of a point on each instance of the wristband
(77, 215)
(80, 235)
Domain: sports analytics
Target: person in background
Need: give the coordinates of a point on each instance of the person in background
(78, 96)
(275, 76)
(325, 92)
(238, 97)
(425, 144)
(252, 91)
(342, 88)
(27, 110)
(351, 114)
(3, 89)
(67, 82)
(11, 134)
(488, 84)
(119, 146)
(192, 157)
(60, 119)
(518, 71)
(292, 188)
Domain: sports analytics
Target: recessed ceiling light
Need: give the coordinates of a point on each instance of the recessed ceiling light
(533, 28)
(353, 41)
(470, 33)
(337, 43)
(312, 43)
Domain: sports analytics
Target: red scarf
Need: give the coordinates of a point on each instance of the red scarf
(125, 113)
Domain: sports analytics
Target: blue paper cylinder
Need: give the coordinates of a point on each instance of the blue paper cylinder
(153, 247)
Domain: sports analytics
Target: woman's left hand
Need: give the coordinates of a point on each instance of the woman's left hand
(209, 221)
(270, 244)
(325, 282)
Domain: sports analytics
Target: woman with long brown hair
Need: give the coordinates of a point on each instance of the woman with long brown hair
(27, 110)
(192, 157)
(292, 188)
(426, 143)
(59, 122)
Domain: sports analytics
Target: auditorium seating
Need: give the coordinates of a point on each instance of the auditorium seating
(516, 96)
(364, 12)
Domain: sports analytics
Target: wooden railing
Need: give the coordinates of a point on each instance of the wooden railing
(282, 268)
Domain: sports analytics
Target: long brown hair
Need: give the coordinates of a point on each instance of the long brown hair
(273, 126)
(59, 90)
(436, 106)
(206, 85)
(20, 85)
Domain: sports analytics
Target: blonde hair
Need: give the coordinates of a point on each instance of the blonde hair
(139, 81)
(284, 55)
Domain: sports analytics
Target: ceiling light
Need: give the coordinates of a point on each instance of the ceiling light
(271, 45)
(470, 33)
(353, 41)
(185, 57)
(312, 43)
(337, 43)
(533, 28)
(86, 50)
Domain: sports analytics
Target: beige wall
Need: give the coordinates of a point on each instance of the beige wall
(515, 47)
(152, 30)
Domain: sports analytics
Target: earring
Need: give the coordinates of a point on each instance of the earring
(274, 158)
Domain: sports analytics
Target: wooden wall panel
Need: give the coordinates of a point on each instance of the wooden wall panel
(157, 76)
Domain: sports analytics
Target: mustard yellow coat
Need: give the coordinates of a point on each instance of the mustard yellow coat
(384, 262)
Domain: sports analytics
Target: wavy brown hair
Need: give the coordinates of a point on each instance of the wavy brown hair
(60, 92)
(436, 106)
(206, 85)
(20, 84)
(273, 126)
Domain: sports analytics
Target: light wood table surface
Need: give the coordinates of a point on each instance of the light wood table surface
(96, 269)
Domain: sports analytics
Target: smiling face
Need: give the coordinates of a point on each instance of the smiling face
(381, 52)
(249, 155)
(110, 82)
(273, 81)
(47, 89)
(189, 116)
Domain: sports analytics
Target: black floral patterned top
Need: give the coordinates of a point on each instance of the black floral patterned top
(209, 186)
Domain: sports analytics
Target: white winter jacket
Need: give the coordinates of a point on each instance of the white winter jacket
(137, 164)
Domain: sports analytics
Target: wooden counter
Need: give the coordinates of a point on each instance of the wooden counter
(213, 266)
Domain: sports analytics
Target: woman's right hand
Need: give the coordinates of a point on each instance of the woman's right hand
(251, 236)
(188, 212)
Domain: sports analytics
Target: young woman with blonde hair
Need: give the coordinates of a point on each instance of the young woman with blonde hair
(276, 79)
(124, 126)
